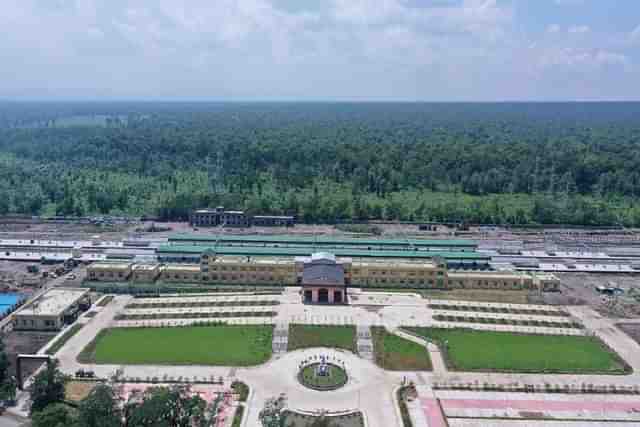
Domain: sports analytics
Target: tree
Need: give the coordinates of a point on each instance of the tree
(8, 384)
(55, 415)
(47, 387)
(101, 408)
(165, 407)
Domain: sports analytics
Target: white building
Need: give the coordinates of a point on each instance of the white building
(52, 310)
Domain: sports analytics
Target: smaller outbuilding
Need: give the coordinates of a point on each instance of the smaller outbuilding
(52, 310)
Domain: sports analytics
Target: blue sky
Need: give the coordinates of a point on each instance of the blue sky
(428, 50)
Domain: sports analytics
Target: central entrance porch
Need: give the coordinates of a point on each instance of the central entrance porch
(324, 295)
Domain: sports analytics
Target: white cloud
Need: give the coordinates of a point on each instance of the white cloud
(635, 34)
(582, 59)
(578, 29)
(553, 29)
(457, 49)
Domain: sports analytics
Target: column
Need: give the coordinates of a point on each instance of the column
(314, 295)
(330, 290)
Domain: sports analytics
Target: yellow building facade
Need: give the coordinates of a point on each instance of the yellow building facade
(372, 273)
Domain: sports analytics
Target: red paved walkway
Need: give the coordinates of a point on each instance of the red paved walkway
(541, 405)
(432, 413)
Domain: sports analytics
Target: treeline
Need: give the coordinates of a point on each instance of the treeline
(489, 163)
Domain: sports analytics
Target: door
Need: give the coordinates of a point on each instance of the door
(337, 297)
(323, 296)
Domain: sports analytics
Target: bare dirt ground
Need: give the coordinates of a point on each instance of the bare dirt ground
(14, 273)
(582, 286)
(25, 342)
(75, 391)
(47, 230)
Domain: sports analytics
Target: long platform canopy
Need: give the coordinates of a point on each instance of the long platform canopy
(307, 251)
(320, 241)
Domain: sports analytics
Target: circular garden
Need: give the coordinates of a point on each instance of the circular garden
(322, 376)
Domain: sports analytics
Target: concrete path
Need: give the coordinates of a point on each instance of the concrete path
(605, 329)
(280, 339)
(369, 388)
(364, 342)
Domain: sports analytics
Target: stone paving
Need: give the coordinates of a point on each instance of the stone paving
(523, 406)
(364, 343)
(369, 388)
(280, 339)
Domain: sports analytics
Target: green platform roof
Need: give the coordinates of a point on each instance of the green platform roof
(323, 241)
(353, 253)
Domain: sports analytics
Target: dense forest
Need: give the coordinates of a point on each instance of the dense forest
(573, 163)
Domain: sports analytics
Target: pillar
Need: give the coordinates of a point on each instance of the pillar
(314, 295)
(330, 290)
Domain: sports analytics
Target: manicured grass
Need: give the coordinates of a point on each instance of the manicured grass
(195, 345)
(398, 354)
(105, 300)
(336, 377)
(469, 350)
(237, 417)
(298, 420)
(242, 389)
(57, 345)
(306, 336)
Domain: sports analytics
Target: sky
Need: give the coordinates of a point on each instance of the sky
(413, 50)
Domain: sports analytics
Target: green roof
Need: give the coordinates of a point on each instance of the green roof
(324, 241)
(354, 253)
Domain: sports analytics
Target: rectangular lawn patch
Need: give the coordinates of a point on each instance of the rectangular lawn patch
(395, 353)
(306, 336)
(194, 345)
(470, 350)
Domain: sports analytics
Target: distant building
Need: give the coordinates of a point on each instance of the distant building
(109, 271)
(272, 221)
(54, 309)
(218, 216)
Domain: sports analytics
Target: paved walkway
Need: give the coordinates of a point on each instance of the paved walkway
(364, 342)
(437, 361)
(369, 388)
(280, 340)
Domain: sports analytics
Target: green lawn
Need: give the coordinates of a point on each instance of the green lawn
(469, 350)
(205, 345)
(336, 378)
(398, 354)
(306, 336)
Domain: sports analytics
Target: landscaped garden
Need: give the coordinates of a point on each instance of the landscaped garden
(498, 309)
(307, 336)
(469, 318)
(194, 315)
(299, 420)
(398, 354)
(471, 350)
(334, 377)
(194, 304)
(105, 300)
(193, 345)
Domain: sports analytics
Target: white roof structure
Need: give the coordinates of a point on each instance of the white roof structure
(54, 302)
